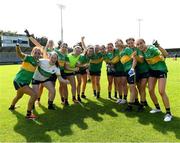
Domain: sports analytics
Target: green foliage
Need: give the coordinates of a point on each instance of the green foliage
(42, 40)
(98, 121)
(8, 33)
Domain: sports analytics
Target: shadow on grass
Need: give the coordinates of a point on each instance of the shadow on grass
(31, 130)
(157, 121)
(61, 120)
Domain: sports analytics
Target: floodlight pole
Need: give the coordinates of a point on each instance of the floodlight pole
(139, 27)
(61, 8)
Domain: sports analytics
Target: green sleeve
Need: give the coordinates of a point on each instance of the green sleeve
(66, 58)
(139, 53)
(116, 52)
(81, 59)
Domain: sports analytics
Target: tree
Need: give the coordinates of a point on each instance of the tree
(8, 33)
(42, 40)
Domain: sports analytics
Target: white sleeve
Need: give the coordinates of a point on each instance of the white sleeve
(57, 71)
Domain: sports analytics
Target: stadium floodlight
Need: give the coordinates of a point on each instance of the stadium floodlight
(61, 7)
(139, 27)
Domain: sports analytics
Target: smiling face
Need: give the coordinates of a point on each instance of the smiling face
(90, 52)
(119, 43)
(110, 47)
(103, 49)
(140, 44)
(64, 47)
(97, 48)
(77, 50)
(130, 42)
(36, 53)
(53, 58)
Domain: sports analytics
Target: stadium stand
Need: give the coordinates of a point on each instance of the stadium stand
(7, 48)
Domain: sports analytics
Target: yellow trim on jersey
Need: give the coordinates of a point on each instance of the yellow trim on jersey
(155, 59)
(107, 60)
(97, 61)
(125, 59)
(140, 60)
(66, 71)
(115, 60)
(28, 66)
(61, 63)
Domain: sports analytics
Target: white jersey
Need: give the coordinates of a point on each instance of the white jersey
(45, 70)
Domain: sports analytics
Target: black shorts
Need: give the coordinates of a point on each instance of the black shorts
(39, 82)
(157, 74)
(63, 75)
(81, 72)
(119, 73)
(19, 85)
(110, 73)
(131, 79)
(97, 73)
(142, 75)
(53, 78)
(70, 74)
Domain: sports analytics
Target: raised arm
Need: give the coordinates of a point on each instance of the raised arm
(33, 40)
(163, 51)
(83, 44)
(19, 53)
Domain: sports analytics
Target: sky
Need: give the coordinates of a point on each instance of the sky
(100, 21)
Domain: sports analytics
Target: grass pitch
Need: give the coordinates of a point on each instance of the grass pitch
(94, 121)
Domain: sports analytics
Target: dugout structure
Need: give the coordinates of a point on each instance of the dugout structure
(173, 51)
(8, 51)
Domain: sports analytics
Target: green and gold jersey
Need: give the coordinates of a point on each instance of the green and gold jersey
(142, 66)
(96, 62)
(155, 59)
(83, 59)
(62, 59)
(118, 66)
(24, 76)
(126, 57)
(114, 58)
